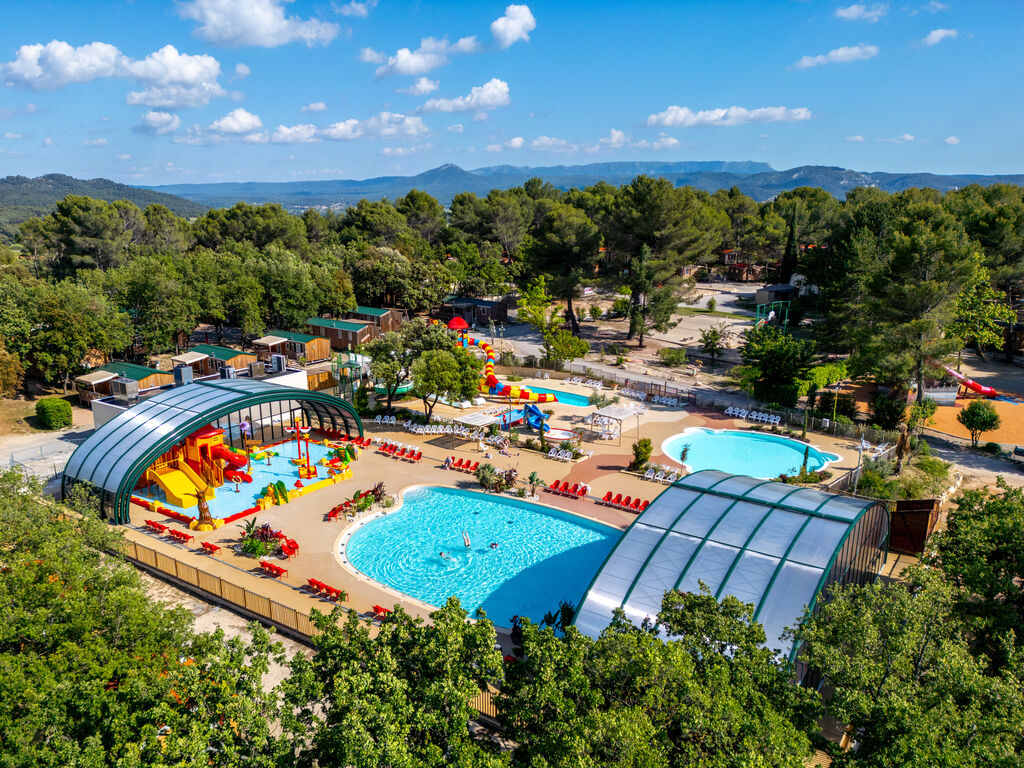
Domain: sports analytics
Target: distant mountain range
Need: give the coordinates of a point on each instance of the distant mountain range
(22, 198)
(759, 180)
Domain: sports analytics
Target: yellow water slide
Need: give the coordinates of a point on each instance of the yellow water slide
(180, 484)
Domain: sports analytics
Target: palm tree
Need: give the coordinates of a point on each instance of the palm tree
(486, 475)
(533, 481)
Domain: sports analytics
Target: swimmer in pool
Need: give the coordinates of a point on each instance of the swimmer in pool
(444, 556)
(494, 545)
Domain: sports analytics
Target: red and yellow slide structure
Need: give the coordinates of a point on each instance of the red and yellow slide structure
(490, 383)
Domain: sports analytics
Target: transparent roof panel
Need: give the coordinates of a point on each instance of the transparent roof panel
(704, 479)
(710, 565)
(818, 542)
(750, 577)
(782, 607)
(737, 485)
(703, 514)
(844, 507)
(807, 499)
(771, 492)
(661, 573)
(739, 522)
(670, 504)
(777, 533)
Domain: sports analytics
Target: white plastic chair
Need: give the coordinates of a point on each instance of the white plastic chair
(649, 474)
(659, 477)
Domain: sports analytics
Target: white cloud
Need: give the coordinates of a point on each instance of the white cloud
(903, 138)
(952, 140)
(550, 144)
(237, 121)
(663, 142)
(456, 128)
(381, 126)
(515, 25)
(685, 117)
(421, 87)
(175, 96)
(95, 143)
(371, 56)
(256, 138)
(47, 142)
(614, 139)
(159, 122)
(242, 70)
(481, 117)
(935, 6)
(861, 12)
(839, 56)
(357, 9)
(431, 54)
(315, 106)
(12, 136)
(173, 78)
(124, 157)
(402, 151)
(936, 36)
(858, 139)
(516, 142)
(236, 23)
(490, 95)
(294, 134)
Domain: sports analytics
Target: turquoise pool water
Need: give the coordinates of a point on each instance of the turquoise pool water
(226, 502)
(569, 398)
(543, 555)
(758, 454)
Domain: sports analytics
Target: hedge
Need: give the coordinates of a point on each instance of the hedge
(53, 413)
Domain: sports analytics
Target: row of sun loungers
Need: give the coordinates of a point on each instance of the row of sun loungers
(463, 465)
(558, 455)
(399, 451)
(577, 491)
(594, 383)
(318, 587)
(639, 394)
(613, 499)
(661, 476)
(362, 442)
(757, 416)
(440, 429)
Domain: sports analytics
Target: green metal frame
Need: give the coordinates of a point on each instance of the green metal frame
(122, 497)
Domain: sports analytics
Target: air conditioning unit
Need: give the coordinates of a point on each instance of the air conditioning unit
(257, 370)
(182, 375)
(228, 372)
(278, 363)
(124, 389)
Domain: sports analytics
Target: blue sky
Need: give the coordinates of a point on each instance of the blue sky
(153, 92)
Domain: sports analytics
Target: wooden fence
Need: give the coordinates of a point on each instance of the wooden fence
(283, 617)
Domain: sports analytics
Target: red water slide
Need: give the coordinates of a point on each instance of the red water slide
(971, 384)
(234, 459)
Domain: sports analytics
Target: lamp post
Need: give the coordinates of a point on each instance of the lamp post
(860, 456)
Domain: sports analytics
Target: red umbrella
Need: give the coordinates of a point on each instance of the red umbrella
(458, 324)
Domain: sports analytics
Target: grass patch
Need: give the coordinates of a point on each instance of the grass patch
(691, 311)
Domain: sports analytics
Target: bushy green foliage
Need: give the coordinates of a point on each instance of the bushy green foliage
(778, 362)
(642, 450)
(844, 404)
(888, 410)
(53, 413)
(979, 416)
(673, 356)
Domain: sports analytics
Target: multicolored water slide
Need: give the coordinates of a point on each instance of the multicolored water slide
(490, 383)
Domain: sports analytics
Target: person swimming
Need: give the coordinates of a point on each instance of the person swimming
(444, 556)
(494, 545)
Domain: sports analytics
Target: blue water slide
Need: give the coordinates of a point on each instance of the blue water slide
(535, 417)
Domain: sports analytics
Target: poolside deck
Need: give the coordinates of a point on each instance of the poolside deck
(304, 519)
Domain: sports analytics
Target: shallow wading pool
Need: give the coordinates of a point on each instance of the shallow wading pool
(542, 555)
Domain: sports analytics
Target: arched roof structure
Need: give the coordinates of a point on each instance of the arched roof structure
(767, 543)
(113, 458)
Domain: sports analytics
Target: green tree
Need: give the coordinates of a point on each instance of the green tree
(562, 345)
(72, 321)
(537, 308)
(423, 213)
(642, 449)
(980, 313)
(397, 696)
(713, 341)
(653, 297)
(453, 375)
(12, 372)
(979, 416)
(903, 677)
(392, 354)
(778, 363)
(808, 213)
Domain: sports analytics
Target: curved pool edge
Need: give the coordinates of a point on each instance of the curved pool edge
(690, 430)
(346, 533)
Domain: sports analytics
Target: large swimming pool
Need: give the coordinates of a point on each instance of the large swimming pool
(758, 454)
(542, 555)
(568, 398)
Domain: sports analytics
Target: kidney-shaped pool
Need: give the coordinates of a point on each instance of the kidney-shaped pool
(522, 558)
(758, 454)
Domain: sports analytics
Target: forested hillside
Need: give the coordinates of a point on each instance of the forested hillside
(22, 197)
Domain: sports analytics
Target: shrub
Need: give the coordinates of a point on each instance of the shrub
(513, 435)
(888, 412)
(361, 400)
(712, 304)
(530, 444)
(255, 548)
(620, 361)
(595, 312)
(642, 450)
(922, 448)
(845, 405)
(672, 356)
(935, 468)
(513, 377)
(521, 493)
(508, 359)
(53, 413)
(994, 448)
(620, 307)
